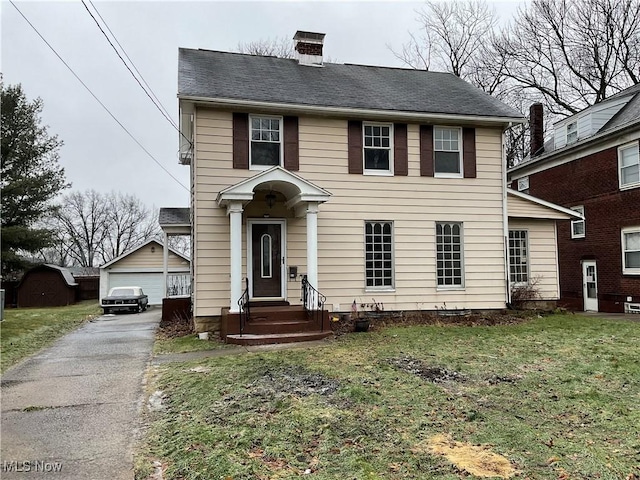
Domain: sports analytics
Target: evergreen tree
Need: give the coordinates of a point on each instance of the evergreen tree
(31, 177)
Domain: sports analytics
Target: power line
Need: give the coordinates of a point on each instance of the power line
(157, 100)
(159, 107)
(96, 98)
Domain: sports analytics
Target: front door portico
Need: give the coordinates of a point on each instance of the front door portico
(302, 198)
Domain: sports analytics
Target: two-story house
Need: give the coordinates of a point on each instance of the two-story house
(357, 182)
(592, 165)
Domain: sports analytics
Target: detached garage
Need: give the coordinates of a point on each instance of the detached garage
(143, 267)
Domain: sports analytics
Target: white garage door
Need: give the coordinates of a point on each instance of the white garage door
(151, 284)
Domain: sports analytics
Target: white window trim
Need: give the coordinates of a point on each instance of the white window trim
(524, 183)
(460, 151)
(281, 124)
(625, 270)
(268, 237)
(462, 257)
(383, 173)
(528, 247)
(384, 288)
(620, 148)
(583, 220)
(569, 133)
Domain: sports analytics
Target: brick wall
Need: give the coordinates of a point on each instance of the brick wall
(592, 181)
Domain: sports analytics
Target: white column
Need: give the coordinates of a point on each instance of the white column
(165, 263)
(234, 210)
(312, 244)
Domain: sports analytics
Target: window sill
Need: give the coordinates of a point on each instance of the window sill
(450, 289)
(262, 167)
(577, 237)
(630, 186)
(379, 290)
(631, 271)
(378, 173)
(447, 175)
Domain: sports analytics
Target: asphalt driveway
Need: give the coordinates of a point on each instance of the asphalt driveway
(72, 411)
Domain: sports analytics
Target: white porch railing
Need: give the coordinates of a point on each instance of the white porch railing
(178, 284)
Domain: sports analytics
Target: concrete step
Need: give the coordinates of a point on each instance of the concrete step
(253, 339)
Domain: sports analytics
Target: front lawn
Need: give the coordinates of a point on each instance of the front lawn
(551, 398)
(24, 331)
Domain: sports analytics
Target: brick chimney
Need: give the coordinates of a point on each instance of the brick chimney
(308, 46)
(536, 125)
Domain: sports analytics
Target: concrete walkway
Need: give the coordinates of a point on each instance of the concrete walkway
(72, 411)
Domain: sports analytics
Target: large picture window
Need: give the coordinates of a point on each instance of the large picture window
(629, 165)
(447, 151)
(449, 255)
(379, 255)
(377, 148)
(266, 141)
(518, 256)
(631, 250)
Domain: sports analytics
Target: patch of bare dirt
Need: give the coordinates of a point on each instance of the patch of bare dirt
(432, 374)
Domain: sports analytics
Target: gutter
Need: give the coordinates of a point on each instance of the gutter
(352, 112)
(505, 217)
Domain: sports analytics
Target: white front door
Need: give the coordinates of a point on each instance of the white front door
(590, 286)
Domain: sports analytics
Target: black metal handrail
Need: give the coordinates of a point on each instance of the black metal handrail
(313, 302)
(243, 303)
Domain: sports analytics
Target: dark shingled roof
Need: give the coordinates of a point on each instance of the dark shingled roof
(174, 216)
(213, 74)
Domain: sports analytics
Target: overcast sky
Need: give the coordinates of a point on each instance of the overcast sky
(97, 153)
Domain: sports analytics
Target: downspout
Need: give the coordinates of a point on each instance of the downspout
(505, 217)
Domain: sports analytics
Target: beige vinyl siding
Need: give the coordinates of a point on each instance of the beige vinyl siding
(413, 203)
(145, 258)
(520, 207)
(543, 260)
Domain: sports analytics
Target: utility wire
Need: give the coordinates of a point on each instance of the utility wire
(148, 87)
(128, 68)
(97, 99)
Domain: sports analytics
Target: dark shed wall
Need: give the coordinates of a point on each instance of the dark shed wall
(43, 287)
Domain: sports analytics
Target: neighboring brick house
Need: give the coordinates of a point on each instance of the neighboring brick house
(592, 165)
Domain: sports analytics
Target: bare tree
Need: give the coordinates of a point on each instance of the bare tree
(280, 47)
(572, 53)
(92, 228)
(130, 223)
(453, 36)
(82, 226)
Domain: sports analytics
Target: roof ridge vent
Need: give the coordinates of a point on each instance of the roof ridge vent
(308, 46)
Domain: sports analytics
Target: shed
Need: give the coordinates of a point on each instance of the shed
(143, 266)
(47, 286)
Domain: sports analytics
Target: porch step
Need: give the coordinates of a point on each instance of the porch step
(253, 339)
(280, 320)
(264, 327)
(268, 303)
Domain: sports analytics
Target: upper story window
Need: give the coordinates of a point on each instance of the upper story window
(379, 255)
(629, 165)
(377, 148)
(572, 132)
(523, 184)
(449, 255)
(447, 151)
(266, 141)
(578, 229)
(631, 250)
